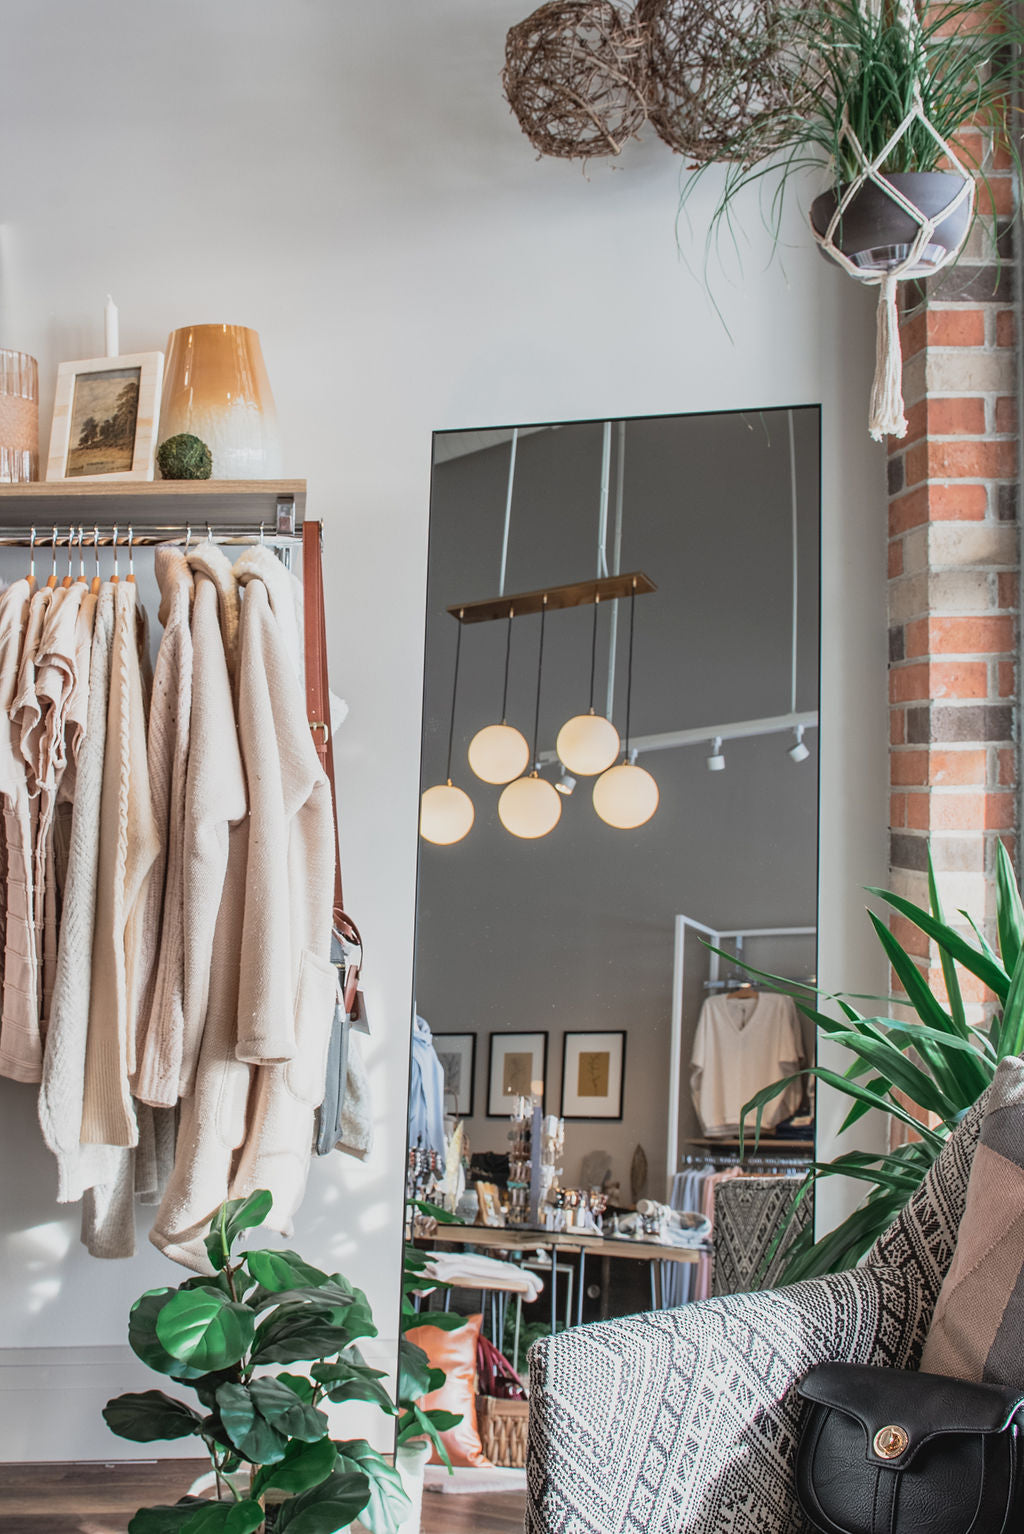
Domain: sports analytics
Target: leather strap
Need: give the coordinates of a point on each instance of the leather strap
(318, 712)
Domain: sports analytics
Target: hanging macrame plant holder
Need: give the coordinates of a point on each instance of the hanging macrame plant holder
(929, 237)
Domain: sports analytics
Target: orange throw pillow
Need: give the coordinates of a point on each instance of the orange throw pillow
(455, 1353)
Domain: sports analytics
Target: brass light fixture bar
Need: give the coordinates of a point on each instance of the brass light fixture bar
(554, 598)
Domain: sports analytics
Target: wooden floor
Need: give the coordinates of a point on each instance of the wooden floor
(100, 1499)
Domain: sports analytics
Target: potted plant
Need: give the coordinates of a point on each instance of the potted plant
(275, 1465)
(881, 96)
(924, 1073)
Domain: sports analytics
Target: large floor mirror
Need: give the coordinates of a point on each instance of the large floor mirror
(620, 753)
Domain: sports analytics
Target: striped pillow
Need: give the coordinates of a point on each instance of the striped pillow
(977, 1331)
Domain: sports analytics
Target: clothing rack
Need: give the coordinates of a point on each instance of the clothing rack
(756, 1161)
(718, 937)
(124, 535)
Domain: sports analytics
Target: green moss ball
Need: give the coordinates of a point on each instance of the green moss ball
(184, 457)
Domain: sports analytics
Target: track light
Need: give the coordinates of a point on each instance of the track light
(798, 752)
(566, 782)
(716, 761)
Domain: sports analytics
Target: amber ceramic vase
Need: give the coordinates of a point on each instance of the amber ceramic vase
(216, 387)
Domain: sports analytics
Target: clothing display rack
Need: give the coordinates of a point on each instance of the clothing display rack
(717, 937)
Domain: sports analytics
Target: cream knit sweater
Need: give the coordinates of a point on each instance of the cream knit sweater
(128, 849)
(20, 1045)
(161, 1025)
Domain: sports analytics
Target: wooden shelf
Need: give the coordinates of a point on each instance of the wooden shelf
(206, 500)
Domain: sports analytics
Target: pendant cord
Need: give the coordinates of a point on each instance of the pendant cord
(508, 653)
(593, 655)
(540, 667)
(629, 669)
(455, 688)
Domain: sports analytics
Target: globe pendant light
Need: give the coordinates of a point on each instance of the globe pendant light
(530, 807)
(588, 743)
(499, 752)
(446, 812)
(626, 796)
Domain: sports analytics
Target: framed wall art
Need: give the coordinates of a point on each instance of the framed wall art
(105, 416)
(457, 1054)
(517, 1068)
(593, 1073)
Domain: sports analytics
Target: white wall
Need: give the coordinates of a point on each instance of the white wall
(349, 181)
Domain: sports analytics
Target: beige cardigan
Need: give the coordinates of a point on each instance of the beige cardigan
(161, 1023)
(20, 1044)
(128, 849)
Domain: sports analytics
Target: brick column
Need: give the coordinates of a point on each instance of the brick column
(953, 586)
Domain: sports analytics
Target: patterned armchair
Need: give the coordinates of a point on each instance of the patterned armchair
(685, 1422)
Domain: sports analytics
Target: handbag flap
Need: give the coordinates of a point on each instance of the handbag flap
(922, 1405)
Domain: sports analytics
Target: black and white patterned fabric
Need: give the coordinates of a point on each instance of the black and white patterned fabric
(749, 1213)
(685, 1422)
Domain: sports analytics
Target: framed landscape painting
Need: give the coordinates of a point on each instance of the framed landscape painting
(518, 1066)
(105, 416)
(593, 1073)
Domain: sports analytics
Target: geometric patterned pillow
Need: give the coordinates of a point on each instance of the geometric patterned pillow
(977, 1331)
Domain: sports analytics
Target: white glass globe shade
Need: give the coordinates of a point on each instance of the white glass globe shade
(625, 796)
(446, 814)
(529, 807)
(587, 744)
(498, 753)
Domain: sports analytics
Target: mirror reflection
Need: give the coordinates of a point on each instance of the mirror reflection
(619, 772)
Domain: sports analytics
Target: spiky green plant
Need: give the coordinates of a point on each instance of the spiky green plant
(938, 1063)
(842, 62)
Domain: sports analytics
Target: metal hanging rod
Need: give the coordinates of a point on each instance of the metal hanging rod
(89, 535)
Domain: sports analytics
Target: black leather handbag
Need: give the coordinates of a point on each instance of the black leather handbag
(884, 1451)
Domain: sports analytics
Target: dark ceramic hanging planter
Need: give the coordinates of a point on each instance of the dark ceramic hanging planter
(876, 233)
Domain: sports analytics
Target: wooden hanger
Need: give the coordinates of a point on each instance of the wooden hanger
(32, 560)
(51, 579)
(96, 580)
(743, 992)
(131, 555)
(66, 582)
(115, 577)
(81, 557)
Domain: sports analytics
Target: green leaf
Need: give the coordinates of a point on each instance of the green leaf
(163, 1519)
(442, 1216)
(247, 1213)
(949, 974)
(1011, 1030)
(303, 1465)
(278, 1271)
(346, 1381)
(903, 1073)
(241, 1517)
(1009, 912)
(325, 1508)
(972, 959)
(443, 1320)
(388, 1506)
(282, 1408)
(204, 1329)
(297, 1332)
(252, 1435)
(150, 1415)
(413, 1371)
(299, 1384)
(144, 1340)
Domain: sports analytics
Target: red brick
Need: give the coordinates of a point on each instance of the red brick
(958, 768)
(952, 417)
(1006, 327)
(953, 812)
(1007, 767)
(959, 679)
(960, 636)
(1002, 159)
(897, 809)
(897, 726)
(909, 936)
(936, 503)
(910, 684)
(1007, 678)
(1006, 413)
(996, 197)
(913, 335)
(908, 511)
(1007, 585)
(969, 145)
(909, 767)
(961, 460)
(895, 558)
(955, 327)
(1000, 812)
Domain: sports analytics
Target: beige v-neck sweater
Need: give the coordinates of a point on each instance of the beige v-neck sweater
(161, 1023)
(128, 849)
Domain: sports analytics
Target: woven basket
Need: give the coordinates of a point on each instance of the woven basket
(502, 1426)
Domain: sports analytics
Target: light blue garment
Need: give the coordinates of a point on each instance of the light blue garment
(426, 1092)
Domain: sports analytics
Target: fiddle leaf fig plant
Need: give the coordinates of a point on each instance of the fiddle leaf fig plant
(275, 1465)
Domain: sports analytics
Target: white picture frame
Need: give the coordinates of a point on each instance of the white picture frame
(517, 1068)
(97, 433)
(593, 1074)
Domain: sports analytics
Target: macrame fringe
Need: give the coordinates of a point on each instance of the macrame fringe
(885, 415)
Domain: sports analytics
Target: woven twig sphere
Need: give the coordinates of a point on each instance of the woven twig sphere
(574, 77)
(714, 75)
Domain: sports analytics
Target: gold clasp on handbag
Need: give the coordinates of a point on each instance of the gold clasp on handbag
(890, 1442)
